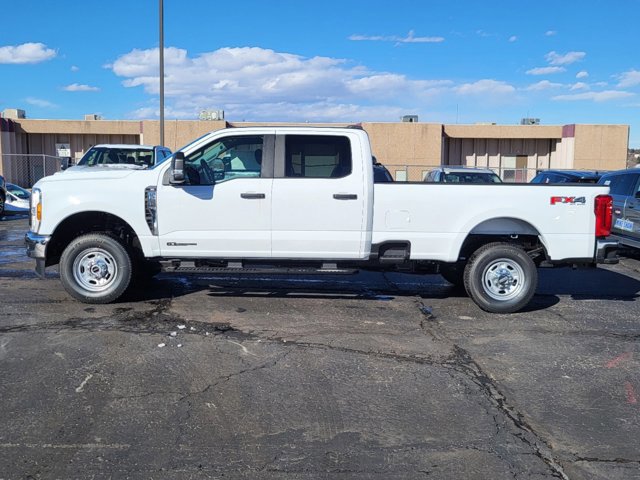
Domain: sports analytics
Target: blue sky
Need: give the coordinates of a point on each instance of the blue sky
(285, 60)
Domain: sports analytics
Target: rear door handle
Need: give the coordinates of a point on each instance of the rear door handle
(345, 196)
(252, 195)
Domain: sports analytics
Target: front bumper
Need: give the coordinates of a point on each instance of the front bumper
(37, 249)
(607, 251)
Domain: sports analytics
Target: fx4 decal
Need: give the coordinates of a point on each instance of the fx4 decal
(569, 200)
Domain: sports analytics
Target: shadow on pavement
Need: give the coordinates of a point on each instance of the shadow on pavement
(588, 284)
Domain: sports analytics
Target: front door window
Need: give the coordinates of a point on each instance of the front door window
(225, 159)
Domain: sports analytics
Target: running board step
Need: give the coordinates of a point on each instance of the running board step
(259, 271)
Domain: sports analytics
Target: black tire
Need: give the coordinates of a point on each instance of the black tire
(453, 273)
(2, 202)
(95, 268)
(500, 278)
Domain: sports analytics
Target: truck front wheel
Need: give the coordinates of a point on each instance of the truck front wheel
(95, 268)
(500, 278)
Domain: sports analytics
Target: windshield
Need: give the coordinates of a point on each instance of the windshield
(471, 177)
(113, 155)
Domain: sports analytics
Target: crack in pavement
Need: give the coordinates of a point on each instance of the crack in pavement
(605, 460)
(465, 364)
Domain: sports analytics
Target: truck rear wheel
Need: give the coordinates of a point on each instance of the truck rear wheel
(95, 268)
(500, 278)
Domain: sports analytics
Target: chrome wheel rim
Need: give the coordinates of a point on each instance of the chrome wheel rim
(503, 279)
(95, 270)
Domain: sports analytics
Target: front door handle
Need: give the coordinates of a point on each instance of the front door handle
(345, 196)
(252, 195)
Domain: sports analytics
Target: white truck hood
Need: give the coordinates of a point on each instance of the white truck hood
(114, 166)
(90, 173)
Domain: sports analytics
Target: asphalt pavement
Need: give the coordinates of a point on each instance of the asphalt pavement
(367, 376)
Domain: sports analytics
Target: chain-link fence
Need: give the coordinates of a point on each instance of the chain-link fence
(26, 169)
(417, 173)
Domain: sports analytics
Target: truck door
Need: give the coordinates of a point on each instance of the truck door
(224, 207)
(321, 197)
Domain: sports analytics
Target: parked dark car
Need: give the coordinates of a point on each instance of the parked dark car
(624, 187)
(566, 176)
(381, 174)
(3, 194)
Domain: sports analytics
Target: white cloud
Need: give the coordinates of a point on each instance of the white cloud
(582, 74)
(254, 83)
(543, 85)
(74, 68)
(78, 87)
(579, 86)
(39, 102)
(484, 34)
(513, 38)
(485, 87)
(410, 38)
(550, 33)
(629, 79)
(26, 53)
(555, 58)
(603, 96)
(545, 70)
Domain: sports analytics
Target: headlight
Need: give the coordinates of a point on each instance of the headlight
(35, 210)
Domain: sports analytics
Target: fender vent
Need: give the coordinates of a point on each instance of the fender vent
(150, 209)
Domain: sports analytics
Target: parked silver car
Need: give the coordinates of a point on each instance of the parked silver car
(625, 189)
(462, 175)
(17, 202)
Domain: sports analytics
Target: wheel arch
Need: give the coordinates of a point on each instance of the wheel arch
(90, 222)
(503, 229)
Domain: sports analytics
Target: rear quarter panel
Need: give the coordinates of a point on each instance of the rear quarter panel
(437, 218)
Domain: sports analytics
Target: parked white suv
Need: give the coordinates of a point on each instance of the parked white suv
(142, 156)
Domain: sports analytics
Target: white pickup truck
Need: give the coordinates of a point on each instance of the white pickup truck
(301, 200)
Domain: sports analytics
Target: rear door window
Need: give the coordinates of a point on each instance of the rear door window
(317, 156)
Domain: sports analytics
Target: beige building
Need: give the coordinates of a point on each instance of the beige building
(30, 148)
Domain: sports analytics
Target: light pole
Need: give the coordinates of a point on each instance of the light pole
(161, 11)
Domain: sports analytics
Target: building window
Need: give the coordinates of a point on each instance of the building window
(401, 175)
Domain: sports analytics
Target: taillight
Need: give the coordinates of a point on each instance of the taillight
(604, 214)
